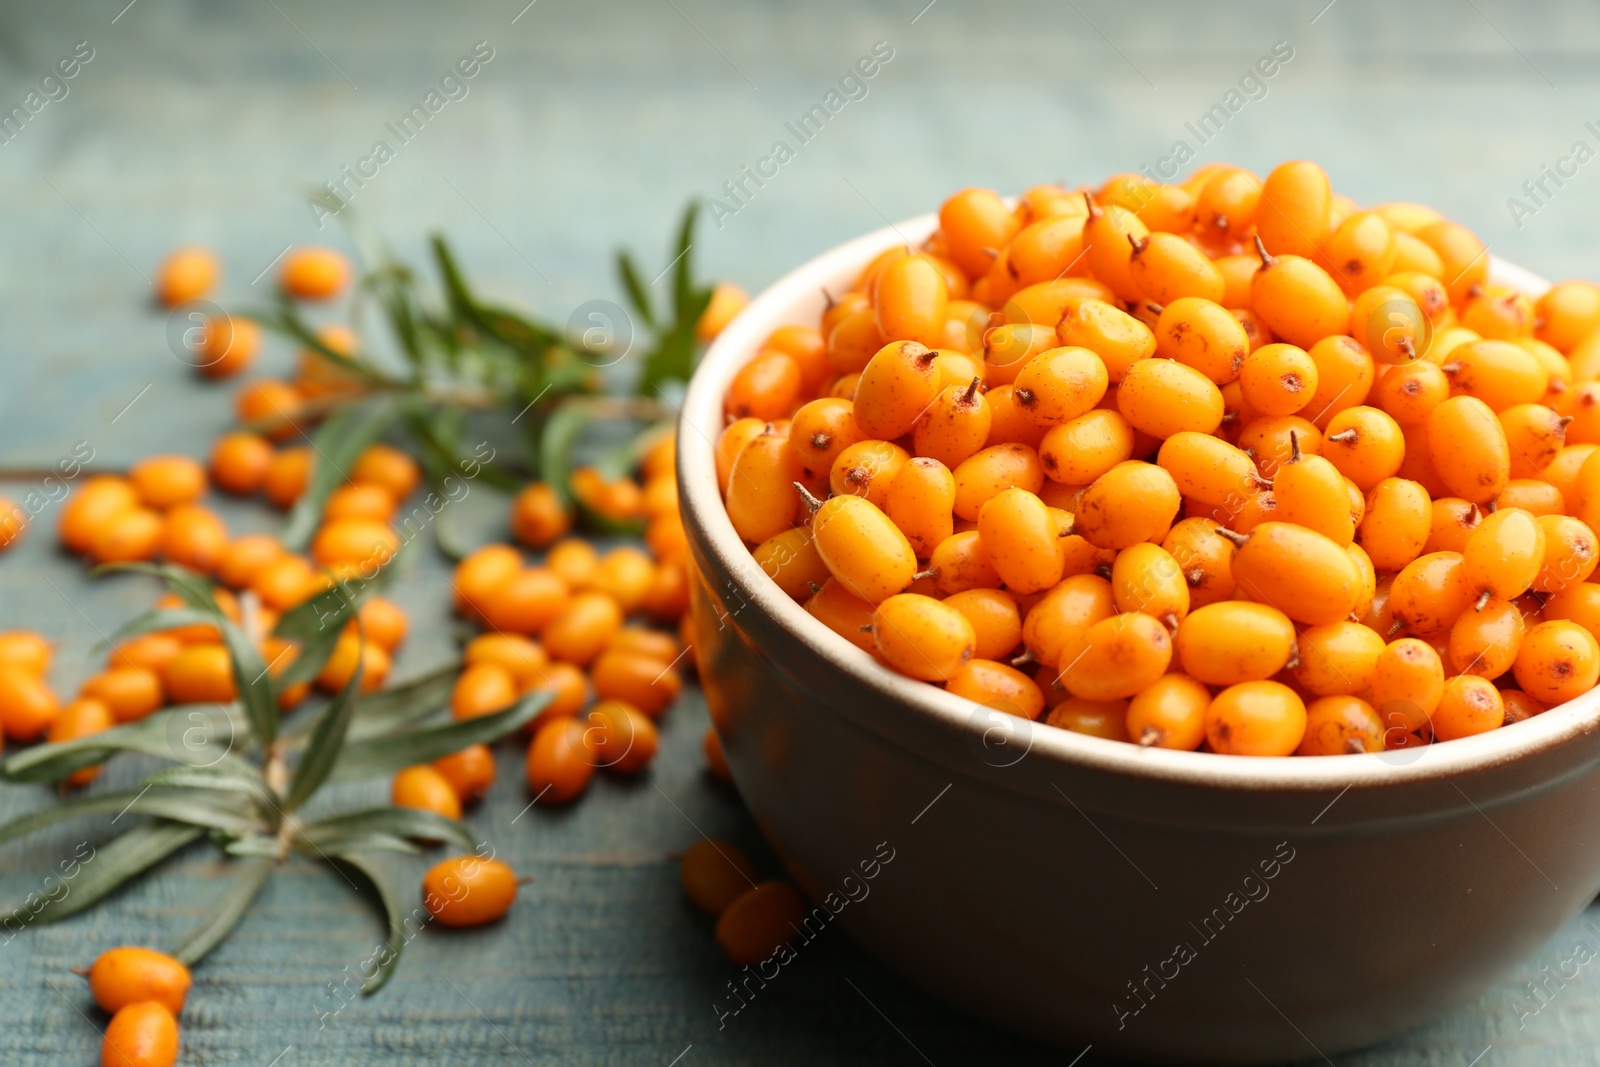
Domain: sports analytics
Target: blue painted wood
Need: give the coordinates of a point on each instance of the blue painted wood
(588, 129)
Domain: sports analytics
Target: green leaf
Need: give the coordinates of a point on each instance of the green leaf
(410, 823)
(182, 805)
(638, 294)
(157, 619)
(387, 754)
(235, 902)
(393, 707)
(192, 588)
(262, 845)
(334, 449)
(362, 841)
(257, 691)
(683, 290)
(156, 735)
(556, 443)
(393, 915)
(316, 763)
(315, 624)
(118, 861)
(231, 777)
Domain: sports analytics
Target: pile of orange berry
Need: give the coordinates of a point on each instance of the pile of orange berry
(1230, 464)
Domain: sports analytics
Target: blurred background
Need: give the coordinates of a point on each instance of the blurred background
(587, 127)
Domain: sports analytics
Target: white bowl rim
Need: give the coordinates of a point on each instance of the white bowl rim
(804, 287)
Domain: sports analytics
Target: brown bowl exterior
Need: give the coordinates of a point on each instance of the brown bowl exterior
(1170, 906)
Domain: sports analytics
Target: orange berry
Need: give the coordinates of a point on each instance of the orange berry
(311, 272)
(1169, 713)
(188, 273)
(727, 300)
(922, 637)
(482, 573)
(1121, 656)
(1106, 719)
(423, 787)
(523, 657)
(130, 692)
(127, 975)
(1470, 705)
(27, 706)
(193, 537)
(526, 602)
(199, 674)
(245, 557)
(348, 652)
(141, 1034)
(1557, 661)
(361, 541)
(560, 764)
(642, 681)
(481, 689)
(286, 477)
(239, 462)
(80, 718)
(768, 387)
(620, 737)
(760, 921)
(538, 517)
(1341, 726)
(714, 874)
(166, 481)
(1234, 641)
(385, 465)
(469, 890)
(359, 501)
(1256, 719)
(230, 346)
(568, 687)
(21, 648)
(470, 772)
(274, 405)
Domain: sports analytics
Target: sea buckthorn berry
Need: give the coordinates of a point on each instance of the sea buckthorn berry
(864, 469)
(1407, 682)
(1567, 313)
(1336, 658)
(911, 298)
(714, 873)
(1569, 554)
(1131, 502)
(1120, 339)
(1234, 641)
(287, 475)
(314, 273)
(1226, 206)
(1504, 555)
(1557, 661)
(166, 481)
(922, 637)
(192, 537)
(956, 425)
(1430, 592)
(229, 345)
(1470, 705)
(1311, 492)
(961, 562)
(359, 502)
(239, 462)
(560, 764)
(141, 1034)
(1406, 217)
(996, 621)
(1168, 267)
(955, 368)
(1407, 394)
(760, 921)
(863, 548)
(1498, 312)
(1295, 209)
(424, 788)
(470, 772)
(1360, 252)
(1463, 258)
(639, 680)
(1304, 574)
(1147, 579)
(989, 472)
(620, 737)
(1341, 726)
(1162, 397)
(1453, 522)
(1498, 373)
(853, 338)
(385, 465)
(760, 501)
(199, 674)
(97, 501)
(1365, 444)
(791, 560)
(129, 536)
(1045, 304)
(348, 652)
(1206, 558)
(127, 975)
(189, 272)
(354, 541)
(538, 516)
(1121, 656)
(1060, 384)
(526, 602)
(1110, 236)
(1533, 495)
(481, 689)
(275, 406)
(1485, 642)
(523, 657)
(1047, 249)
(1167, 209)
(1200, 333)
(920, 501)
(283, 582)
(1465, 429)
(574, 560)
(731, 442)
(1270, 441)
(481, 573)
(1107, 719)
(822, 429)
(1397, 523)
(625, 574)
(1345, 373)
(1055, 627)
(1169, 713)
(1008, 422)
(727, 300)
(584, 627)
(1298, 300)
(27, 706)
(1023, 541)
(767, 387)
(1080, 450)
(1535, 434)
(29, 651)
(568, 688)
(469, 890)
(1278, 379)
(844, 613)
(997, 686)
(973, 224)
(1008, 349)
(1259, 718)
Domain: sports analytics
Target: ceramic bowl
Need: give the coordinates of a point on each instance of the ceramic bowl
(1159, 905)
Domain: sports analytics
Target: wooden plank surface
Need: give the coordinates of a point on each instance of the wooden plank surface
(589, 128)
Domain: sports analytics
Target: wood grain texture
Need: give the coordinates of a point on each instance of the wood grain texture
(590, 127)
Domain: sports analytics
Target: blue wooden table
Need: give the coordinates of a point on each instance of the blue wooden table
(588, 127)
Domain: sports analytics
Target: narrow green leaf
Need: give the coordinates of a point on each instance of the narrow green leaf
(191, 587)
(392, 707)
(195, 734)
(556, 443)
(236, 900)
(183, 805)
(256, 689)
(393, 917)
(683, 291)
(638, 294)
(356, 841)
(412, 823)
(335, 447)
(159, 619)
(228, 778)
(107, 868)
(387, 754)
(316, 763)
(263, 845)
